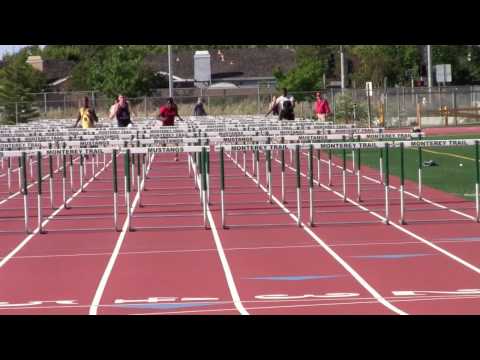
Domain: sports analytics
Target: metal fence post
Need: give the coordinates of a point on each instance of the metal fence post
(454, 95)
(398, 106)
(16, 113)
(258, 98)
(45, 103)
(334, 106)
(385, 110)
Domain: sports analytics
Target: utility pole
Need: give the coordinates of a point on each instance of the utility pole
(170, 77)
(429, 65)
(342, 68)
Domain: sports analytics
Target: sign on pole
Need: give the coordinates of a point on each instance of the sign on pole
(443, 73)
(369, 88)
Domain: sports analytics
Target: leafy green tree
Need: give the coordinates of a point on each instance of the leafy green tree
(307, 76)
(465, 61)
(345, 108)
(18, 80)
(120, 70)
(380, 61)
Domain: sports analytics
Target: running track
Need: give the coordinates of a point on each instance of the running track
(249, 268)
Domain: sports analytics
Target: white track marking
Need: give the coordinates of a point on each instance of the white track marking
(231, 284)
(223, 259)
(401, 228)
(226, 268)
(305, 302)
(45, 222)
(26, 257)
(365, 302)
(28, 187)
(342, 262)
(113, 258)
(415, 196)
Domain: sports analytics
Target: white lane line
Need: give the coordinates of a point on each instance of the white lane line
(46, 221)
(93, 309)
(401, 228)
(329, 250)
(28, 187)
(223, 259)
(407, 193)
(297, 302)
(226, 268)
(365, 302)
(287, 247)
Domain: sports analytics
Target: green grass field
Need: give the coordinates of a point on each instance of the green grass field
(455, 173)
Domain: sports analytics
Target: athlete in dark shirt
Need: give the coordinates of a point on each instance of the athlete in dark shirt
(123, 112)
(199, 109)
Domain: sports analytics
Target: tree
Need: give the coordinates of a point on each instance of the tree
(307, 76)
(465, 61)
(119, 70)
(380, 61)
(18, 80)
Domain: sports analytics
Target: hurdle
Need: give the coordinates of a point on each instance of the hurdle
(222, 187)
(297, 165)
(201, 168)
(310, 184)
(344, 174)
(127, 188)
(39, 192)
(282, 159)
(64, 180)
(71, 173)
(329, 167)
(81, 170)
(359, 177)
(139, 183)
(24, 189)
(203, 165)
(115, 190)
(420, 166)
(268, 167)
(9, 175)
(402, 184)
(386, 181)
(50, 179)
(477, 184)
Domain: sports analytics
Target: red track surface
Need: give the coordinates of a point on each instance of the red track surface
(275, 269)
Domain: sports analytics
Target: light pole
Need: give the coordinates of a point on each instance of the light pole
(429, 65)
(342, 68)
(170, 77)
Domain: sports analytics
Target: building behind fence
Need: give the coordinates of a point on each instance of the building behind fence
(392, 107)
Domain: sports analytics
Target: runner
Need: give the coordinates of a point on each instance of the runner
(122, 112)
(112, 112)
(168, 112)
(199, 109)
(86, 115)
(167, 115)
(273, 107)
(322, 108)
(286, 106)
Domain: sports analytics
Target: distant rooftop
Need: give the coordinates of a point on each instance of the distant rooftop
(231, 63)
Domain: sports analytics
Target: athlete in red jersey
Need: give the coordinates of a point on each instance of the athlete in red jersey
(168, 112)
(167, 116)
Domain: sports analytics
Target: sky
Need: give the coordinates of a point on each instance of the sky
(9, 48)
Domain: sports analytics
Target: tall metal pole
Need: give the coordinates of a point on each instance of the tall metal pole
(342, 67)
(429, 65)
(170, 77)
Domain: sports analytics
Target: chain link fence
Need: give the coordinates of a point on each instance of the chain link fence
(390, 107)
